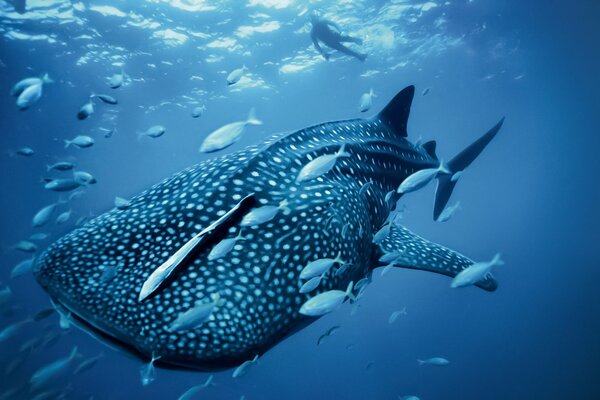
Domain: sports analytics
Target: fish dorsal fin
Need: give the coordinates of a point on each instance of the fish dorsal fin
(395, 114)
(429, 147)
(414, 252)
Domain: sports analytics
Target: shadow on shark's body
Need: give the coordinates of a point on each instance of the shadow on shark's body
(258, 280)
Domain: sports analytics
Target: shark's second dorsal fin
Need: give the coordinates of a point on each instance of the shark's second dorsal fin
(429, 147)
(414, 252)
(395, 114)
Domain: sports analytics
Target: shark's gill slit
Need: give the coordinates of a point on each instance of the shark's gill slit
(163, 274)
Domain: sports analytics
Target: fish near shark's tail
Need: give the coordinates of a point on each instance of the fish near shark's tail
(252, 120)
(462, 160)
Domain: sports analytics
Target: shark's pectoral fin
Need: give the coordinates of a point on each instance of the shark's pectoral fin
(417, 253)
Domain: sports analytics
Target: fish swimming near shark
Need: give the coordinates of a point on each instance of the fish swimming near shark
(163, 239)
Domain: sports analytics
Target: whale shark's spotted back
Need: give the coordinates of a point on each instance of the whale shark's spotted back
(96, 272)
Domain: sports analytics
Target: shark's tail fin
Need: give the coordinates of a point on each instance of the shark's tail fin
(462, 160)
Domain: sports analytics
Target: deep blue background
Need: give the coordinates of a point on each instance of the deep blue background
(533, 196)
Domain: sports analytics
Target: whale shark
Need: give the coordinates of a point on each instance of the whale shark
(130, 273)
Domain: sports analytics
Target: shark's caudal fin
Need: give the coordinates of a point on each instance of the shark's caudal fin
(395, 114)
(414, 252)
(462, 160)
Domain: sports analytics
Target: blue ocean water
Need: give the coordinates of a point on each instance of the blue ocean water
(532, 195)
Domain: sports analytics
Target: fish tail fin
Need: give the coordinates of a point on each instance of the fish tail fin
(73, 353)
(342, 152)
(420, 362)
(252, 120)
(68, 143)
(497, 260)
(349, 293)
(461, 161)
(46, 78)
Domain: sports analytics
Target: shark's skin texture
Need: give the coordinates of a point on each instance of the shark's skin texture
(258, 281)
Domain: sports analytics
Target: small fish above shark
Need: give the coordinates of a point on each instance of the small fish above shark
(162, 241)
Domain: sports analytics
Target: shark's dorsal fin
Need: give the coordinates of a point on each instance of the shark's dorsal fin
(414, 252)
(429, 147)
(395, 114)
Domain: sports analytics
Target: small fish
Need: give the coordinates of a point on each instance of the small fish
(320, 266)
(387, 269)
(196, 316)
(425, 91)
(106, 98)
(475, 272)
(243, 368)
(228, 134)
(147, 372)
(109, 272)
(328, 333)
(23, 84)
(108, 132)
(81, 141)
(421, 178)
(366, 101)
(77, 194)
(222, 248)
(449, 212)
(22, 268)
(389, 257)
(115, 81)
(25, 152)
(122, 203)
(26, 246)
(235, 75)
(88, 364)
(326, 302)
(39, 236)
(65, 321)
(62, 185)
(84, 178)
(369, 365)
(394, 316)
(86, 110)
(31, 345)
(52, 372)
(43, 216)
(31, 93)
(438, 361)
(43, 314)
(382, 233)
(188, 394)
(362, 284)
(5, 296)
(408, 397)
(311, 285)
(345, 230)
(64, 217)
(198, 111)
(13, 329)
(364, 188)
(263, 214)
(320, 165)
(342, 269)
(153, 132)
(60, 166)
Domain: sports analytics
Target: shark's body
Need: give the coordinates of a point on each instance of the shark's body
(258, 280)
